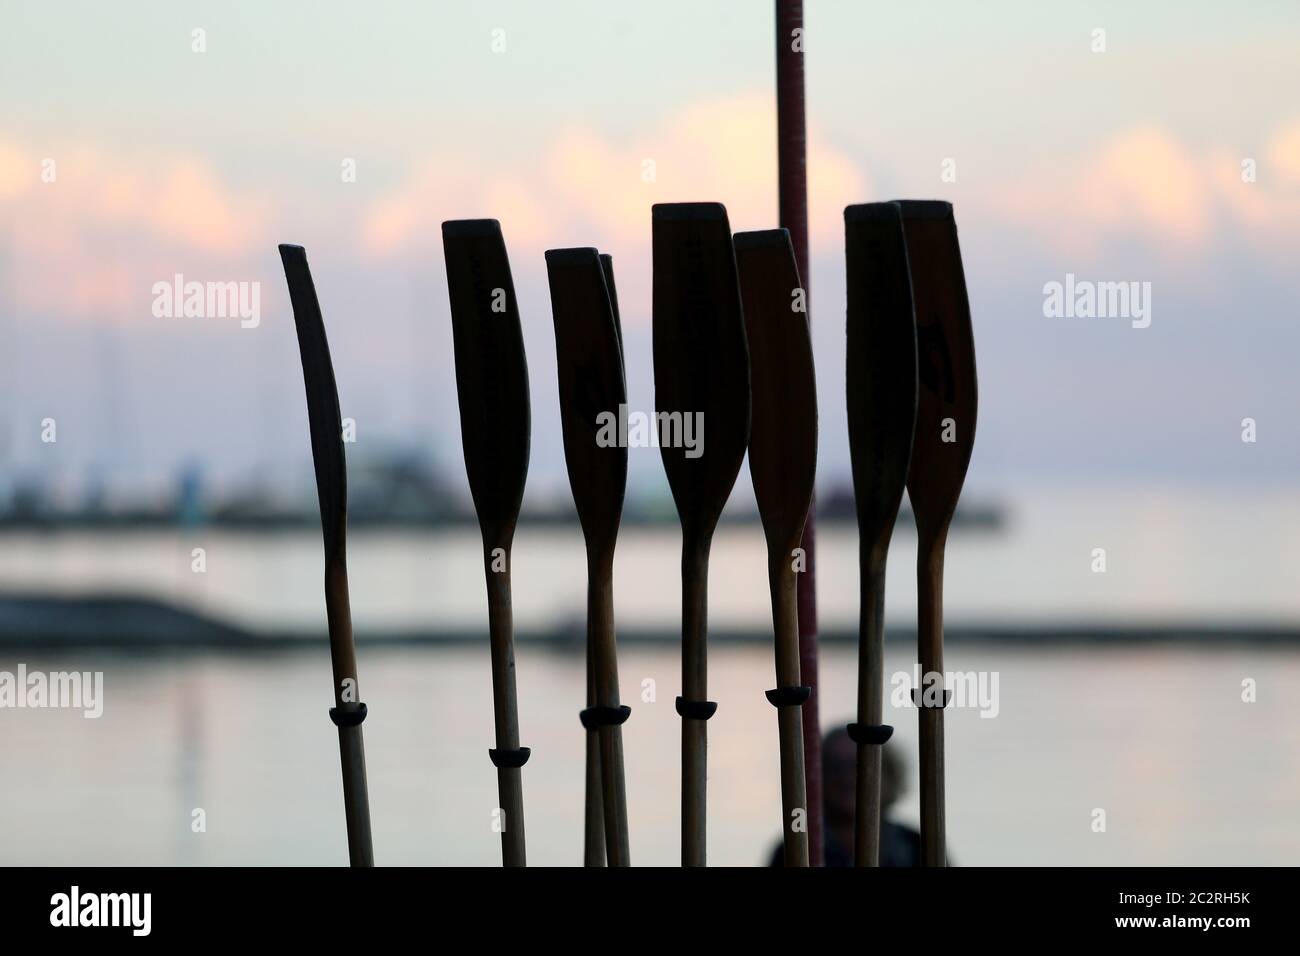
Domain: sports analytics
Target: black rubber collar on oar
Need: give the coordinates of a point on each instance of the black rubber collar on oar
(789, 696)
(918, 699)
(870, 733)
(509, 759)
(593, 718)
(696, 709)
(348, 718)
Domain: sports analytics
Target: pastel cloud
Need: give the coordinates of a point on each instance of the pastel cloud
(1146, 184)
(92, 241)
(1284, 153)
(600, 191)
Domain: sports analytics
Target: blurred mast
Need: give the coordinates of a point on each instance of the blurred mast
(792, 180)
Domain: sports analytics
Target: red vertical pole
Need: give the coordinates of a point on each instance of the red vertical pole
(792, 177)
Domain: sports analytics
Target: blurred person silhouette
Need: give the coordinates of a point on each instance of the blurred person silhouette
(900, 844)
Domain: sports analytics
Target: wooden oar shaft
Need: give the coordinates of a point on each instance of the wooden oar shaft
(593, 844)
(600, 637)
(794, 789)
(794, 798)
(785, 618)
(338, 614)
(695, 687)
(352, 753)
(929, 579)
(695, 615)
(614, 796)
(501, 643)
(600, 630)
(356, 799)
(510, 788)
(871, 708)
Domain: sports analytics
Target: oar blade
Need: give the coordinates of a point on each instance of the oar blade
(491, 372)
(593, 394)
(323, 415)
(783, 388)
(947, 395)
(701, 362)
(880, 365)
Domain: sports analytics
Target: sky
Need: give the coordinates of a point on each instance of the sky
(1122, 163)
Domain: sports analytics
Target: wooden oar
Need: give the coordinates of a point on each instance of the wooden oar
(783, 464)
(492, 386)
(702, 371)
(593, 853)
(881, 388)
(941, 450)
(592, 394)
(332, 489)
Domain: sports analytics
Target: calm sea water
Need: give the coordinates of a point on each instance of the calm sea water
(1187, 557)
(1158, 737)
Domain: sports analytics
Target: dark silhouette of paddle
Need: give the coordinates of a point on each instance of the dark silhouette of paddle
(326, 426)
(592, 392)
(492, 387)
(701, 369)
(941, 450)
(881, 388)
(783, 464)
(594, 824)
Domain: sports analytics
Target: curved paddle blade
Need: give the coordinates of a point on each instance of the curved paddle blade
(491, 372)
(323, 416)
(593, 395)
(946, 400)
(880, 371)
(783, 424)
(701, 361)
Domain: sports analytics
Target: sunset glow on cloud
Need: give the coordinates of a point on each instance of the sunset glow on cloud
(1118, 165)
(1147, 185)
(98, 227)
(587, 185)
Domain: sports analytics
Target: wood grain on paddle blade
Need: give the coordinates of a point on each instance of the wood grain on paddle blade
(326, 426)
(591, 392)
(880, 379)
(701, 370)
(783, 465)
(495, 423)
(941, 451)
